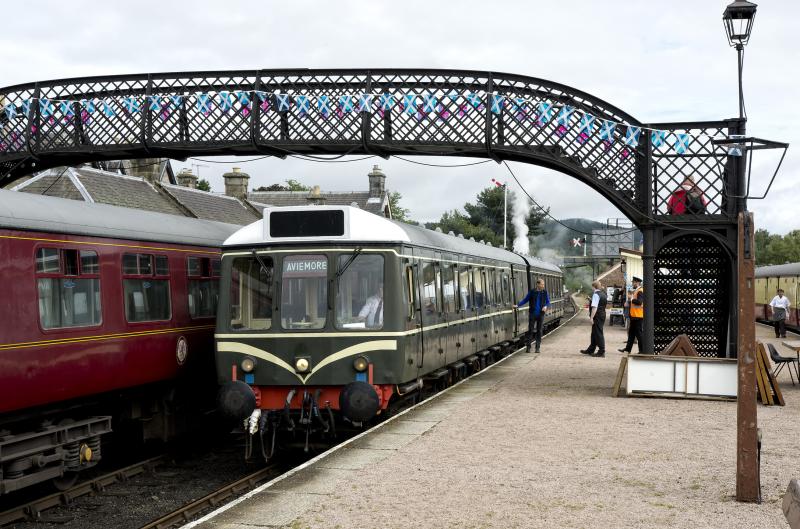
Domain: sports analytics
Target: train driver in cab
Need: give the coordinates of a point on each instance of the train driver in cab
(372, 311)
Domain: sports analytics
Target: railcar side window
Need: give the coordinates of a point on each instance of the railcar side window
(304, 292)
(147, 296)
(410, 299)
(498, 288)
(477, 287)
(464, 289)
(359, 292)
(506, 291)
(70, 295)
(449, 288)
(429, 297)
(203, 286)
(251, 293)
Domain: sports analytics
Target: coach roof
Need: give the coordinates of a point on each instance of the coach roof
(26, 211)
(783, 270)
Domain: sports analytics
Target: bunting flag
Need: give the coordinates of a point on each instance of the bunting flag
(176, 101)
(225, 101)
(429, 103)
(26, 107)
(564, 115)
(284, 102)
(66, 109)
(243, 97)
(632, 136)
(587, 125)
(303, 104)
(203, 103)
(108, 111)
(607, 130)
(88, 105)
(346, 103)
(410, 103)
(386, 101)
(657, 138)
(165, 111)
(365, 103)
(153, 103)
(45, 107)
(11, 111)
(131, 104)
(474, 99)
(545, 112)
(497, 103)
(453, 95)
(520, 108)
(681, 143)
(324, 106)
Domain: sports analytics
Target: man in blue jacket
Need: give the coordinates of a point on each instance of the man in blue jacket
(539, 302)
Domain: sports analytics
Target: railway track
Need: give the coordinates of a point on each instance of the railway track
(34, 511)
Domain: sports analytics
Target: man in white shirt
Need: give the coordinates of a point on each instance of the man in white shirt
(780, 311)
(372, 311)
(597, 313)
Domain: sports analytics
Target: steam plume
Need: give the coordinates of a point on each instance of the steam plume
(520, 208)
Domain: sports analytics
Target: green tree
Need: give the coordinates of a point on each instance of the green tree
(291, 185)
(203, 185)
(772, 249)
(399, 212)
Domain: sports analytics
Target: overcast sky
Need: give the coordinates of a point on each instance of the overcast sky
(658, 61)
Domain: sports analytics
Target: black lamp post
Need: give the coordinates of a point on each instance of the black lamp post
(738, 19)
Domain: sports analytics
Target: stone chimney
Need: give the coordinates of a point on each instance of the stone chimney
(315, 196)
(147, 168)
(187, 179)
(377, 182)
(236, 183)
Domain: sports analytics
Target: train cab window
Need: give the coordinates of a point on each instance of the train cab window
(359, 292)
(251, 292)
(449, 288)
(409, 286)
(465, 297)
(430, 297)
(69, 295)
(146, 295)
(304, 292)
(477, 286)
(203, 291)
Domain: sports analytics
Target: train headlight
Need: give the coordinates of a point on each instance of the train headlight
(248, 364)
(301, 365)
(360, 364)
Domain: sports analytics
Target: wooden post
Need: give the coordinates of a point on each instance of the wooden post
(747, 464)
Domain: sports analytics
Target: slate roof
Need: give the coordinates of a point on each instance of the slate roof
(210, 206)
(125, 191)
(301, 198)
(52, 185)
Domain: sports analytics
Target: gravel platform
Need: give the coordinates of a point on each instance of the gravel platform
(538, 441)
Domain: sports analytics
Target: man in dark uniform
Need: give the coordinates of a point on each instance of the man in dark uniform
(539, 301)
(597, 313)
(636, 315)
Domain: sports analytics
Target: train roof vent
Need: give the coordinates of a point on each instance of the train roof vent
(483, 242)
(451, 234)
(460, 235)
(472, 239)
(438, 229)
(488, 243)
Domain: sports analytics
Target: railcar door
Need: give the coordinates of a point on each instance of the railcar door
(450, 310)
(482, 308)
(430, 298)
(465, 310)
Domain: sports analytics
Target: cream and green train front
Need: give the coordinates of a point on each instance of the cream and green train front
(308, 307)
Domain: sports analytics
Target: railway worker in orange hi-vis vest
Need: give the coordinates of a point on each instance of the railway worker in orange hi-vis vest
(636, 315)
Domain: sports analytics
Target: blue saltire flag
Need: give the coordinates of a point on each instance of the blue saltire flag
(564, 114)
(284, 102)
(386, 101)
(131, 104)
(225, 101)
(607, 130)
(26, 107)
(497, 103)
(176, 101)
(453, 95)
(45, 107)
(632, 136)
(518, 104)
(410, 103)
(243, 97)
(11, 111)
(324, 105)
(203, 103)
(154, 103)
(262, 95)
(681, 143)
(303, 104)
(88, 105)
(365, 103)
(474, 99)
(429, 103)
(657, 138)
(587, 124)
(66, 109)
(346, 103)
(545, 111)
(108, 111)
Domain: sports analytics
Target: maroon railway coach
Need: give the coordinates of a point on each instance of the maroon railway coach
(105, 312)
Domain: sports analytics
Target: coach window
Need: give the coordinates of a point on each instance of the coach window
(477, 287)
(449, 288)
(359, 291)
(304, 292)
(429, 295)
(409, 287)
(498, 288)
(251, 291)
(203, 285)
(506, 290)
(465, 293)
(68, 285)
(145, 286)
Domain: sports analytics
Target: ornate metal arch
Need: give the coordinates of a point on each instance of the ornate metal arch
(423, 112)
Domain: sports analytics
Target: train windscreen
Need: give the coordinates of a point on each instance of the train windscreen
(325, 223)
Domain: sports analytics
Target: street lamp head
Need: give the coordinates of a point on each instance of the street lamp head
(738, 19)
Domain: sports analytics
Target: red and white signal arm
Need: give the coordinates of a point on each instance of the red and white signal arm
(576, 243)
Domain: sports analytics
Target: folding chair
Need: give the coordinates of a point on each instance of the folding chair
(781, 361)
